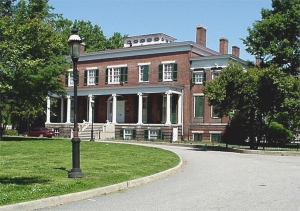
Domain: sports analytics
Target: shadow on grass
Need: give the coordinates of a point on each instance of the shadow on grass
(22, 180)
(62, 169)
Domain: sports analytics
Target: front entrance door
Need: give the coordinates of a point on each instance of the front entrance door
(120, 112)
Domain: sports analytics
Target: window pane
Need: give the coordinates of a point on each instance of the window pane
(215, 137)
(91, 77)
(168, 72)
(199, 77)
(197, 137)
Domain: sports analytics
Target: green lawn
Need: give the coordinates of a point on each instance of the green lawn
(38, 169)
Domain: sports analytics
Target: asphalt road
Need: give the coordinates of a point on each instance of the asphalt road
(210, 180)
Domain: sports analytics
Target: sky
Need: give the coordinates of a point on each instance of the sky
(176, 18)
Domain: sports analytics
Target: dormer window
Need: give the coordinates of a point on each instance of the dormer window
(149, 40)
(129, 42)
(135, 41)
(142, 40)
(156, 39)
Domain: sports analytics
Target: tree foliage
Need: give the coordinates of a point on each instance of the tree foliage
(31, 59)
(276, 38)
(33, 51)
(256, 95)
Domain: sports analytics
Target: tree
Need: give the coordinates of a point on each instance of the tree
(32, 59)
(116, 41)
(6, 7)
(276, 38)
(256, 95)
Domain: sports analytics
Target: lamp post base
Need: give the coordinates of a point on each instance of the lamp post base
(75, 173)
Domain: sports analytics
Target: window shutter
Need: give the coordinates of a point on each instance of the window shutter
(124, 71)
(133, 133)
(199, 106)
(160, 135)
(146, 132)
(160, 72)
(193, 78)
(85, 78)
(174, 72)
(67, 79)
(106, 76)
(122, 133)
(204, 76)
(146, 73)
(97, 76)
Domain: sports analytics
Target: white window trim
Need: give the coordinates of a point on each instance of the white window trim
(116, 66)
(199, 72)
(113, 69)
(164, 71)
(215, 132)
(214, 71)
(155, 137)
(197, 131)
(91, 68)
(140, 65)
(168, 62)
(146, 63)
(70, 71)
(88, 75)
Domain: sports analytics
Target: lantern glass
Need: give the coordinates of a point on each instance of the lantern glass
(74, 49)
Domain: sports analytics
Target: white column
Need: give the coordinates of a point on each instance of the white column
(179, 112)
(168, 116)
(62, 110)
(48, 110)
(140, 112)
(114, 107)
(90, 108)
(68, 109)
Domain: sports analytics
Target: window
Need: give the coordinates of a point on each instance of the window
(167, 72)
(69, 78)
(91, 77)
(199, 77)
(127, 133)
(115, 75)
(214, 113)
(197, 137)
(198, 106)
(215, 137)
(153, 134)
(144, 73)
(215, 74)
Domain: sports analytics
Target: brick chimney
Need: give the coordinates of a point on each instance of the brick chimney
(201, 35)
(82, 47)
(236, 51)
(223, 45)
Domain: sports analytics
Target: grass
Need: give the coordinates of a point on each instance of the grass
(37, 169)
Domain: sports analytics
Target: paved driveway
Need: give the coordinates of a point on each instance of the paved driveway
(211, 181)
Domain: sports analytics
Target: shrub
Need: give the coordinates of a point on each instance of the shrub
(277, 133)
(9, 132)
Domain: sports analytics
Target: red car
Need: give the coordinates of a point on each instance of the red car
(41, 132)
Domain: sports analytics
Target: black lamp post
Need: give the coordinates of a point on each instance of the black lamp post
(92, 131)
(74, 43)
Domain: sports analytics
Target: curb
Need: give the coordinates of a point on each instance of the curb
(67, 198)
